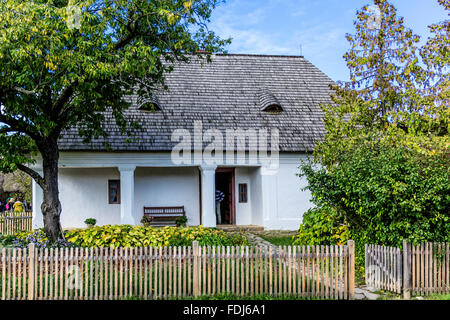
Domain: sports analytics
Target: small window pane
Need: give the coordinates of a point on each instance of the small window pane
(243, 193)
(114, 191)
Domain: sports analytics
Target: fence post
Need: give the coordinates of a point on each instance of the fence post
(31, 271)
(366, 263)
(351, 268)
(196, 270)
(406, 269)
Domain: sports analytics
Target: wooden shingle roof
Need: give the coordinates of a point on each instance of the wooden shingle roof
(226, 94)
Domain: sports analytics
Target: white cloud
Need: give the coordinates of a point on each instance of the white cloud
(250, 40)
(281, 27)
(242, 28)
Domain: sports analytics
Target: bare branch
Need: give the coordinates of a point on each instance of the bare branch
(33, 174)
(6, 130)
(22, 90)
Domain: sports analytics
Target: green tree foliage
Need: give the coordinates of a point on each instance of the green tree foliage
(321, 226)
(65, 63)
(395, 86)
(383, 60)
(385, 193)
(383, 168)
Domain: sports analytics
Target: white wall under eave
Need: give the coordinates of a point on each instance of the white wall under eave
(256, 196)
(243, 210)
(167, 187)
(292, 201)
(84, 194)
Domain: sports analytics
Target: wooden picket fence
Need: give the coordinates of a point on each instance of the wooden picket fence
(420, 270)
(430, 268)
(12, 222)
(167, 272)
(383, 268)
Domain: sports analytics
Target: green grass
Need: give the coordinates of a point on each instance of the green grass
(227, 296)
(278, 240)
(438, 297)
(385, 295)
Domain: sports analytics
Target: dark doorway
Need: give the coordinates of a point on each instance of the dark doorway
(225, 208)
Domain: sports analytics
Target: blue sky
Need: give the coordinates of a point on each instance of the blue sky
(318, 26)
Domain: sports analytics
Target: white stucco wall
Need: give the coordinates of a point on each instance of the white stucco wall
(275, 201)
(256, 196)
(84, 194)
(167, 187)
(291, 201)
(243, 210)
(288, 202)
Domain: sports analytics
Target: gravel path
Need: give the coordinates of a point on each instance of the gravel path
(258, 241)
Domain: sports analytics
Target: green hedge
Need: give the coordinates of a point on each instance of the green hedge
(378, 193)
(321, 227)
(386, 193)
(129, 236)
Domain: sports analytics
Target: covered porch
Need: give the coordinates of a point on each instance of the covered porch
(117, 194)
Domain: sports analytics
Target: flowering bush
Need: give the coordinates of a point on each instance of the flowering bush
(39, 238)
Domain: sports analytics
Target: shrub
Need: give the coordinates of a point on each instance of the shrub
(90, 221)
(140, 236)
(39, 238)
(129, 236)
(383, 193)
(6, 241)
(181, 221)
(321, 227)
(386, 193)
(146, 220)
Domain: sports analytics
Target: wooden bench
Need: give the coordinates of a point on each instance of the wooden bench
(164, 216)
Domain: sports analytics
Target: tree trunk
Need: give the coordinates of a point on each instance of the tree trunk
(51, 206)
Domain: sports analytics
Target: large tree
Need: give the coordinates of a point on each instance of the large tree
(397, 88)
(384, 172)
(66, 63)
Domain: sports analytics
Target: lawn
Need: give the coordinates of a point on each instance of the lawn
(384, 295)
(226, 296)
(279, 241)
(438, 297)
(278, 238)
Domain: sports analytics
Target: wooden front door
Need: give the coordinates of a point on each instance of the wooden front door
(225, 184)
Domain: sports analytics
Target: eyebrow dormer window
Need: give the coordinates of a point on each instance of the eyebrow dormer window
(149, 102)
(268, 102)
(274, 109)
(150, 106)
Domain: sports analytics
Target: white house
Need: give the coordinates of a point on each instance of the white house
(258, 99)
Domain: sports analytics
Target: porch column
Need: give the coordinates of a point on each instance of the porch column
(208, 204)
(269, 197)
(127, 194)
(38, 198)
